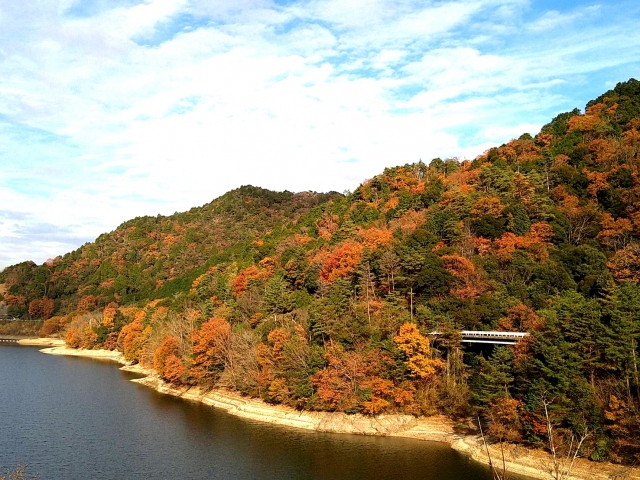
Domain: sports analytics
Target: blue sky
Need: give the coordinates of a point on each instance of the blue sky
(115, 109)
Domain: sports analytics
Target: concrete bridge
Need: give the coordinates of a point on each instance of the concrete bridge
(496, 338)
(8, 339)
(500, 338)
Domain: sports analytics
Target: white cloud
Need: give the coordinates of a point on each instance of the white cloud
(162, 105)
(551, 20)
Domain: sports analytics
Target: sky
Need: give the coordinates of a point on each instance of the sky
(113, 109)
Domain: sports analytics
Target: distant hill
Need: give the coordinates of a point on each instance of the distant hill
(141, 255)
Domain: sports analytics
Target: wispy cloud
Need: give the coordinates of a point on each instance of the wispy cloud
(113, 109)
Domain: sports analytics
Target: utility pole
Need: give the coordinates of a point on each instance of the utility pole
(411, 303)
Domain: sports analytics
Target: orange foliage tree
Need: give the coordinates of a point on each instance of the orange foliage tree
(132, 338)
(506, 245)
(374, 237)
(408, 222)
(73, 338)
(89, 338)
(342, 262)
(520, 318)
(243, 277)
(341, 384)
(109, 315)
(597, 181)
(534, 242)
(35, 308)
(166, 360)
(465, 271)
(48, 306)
(487, 206)
(86, 304)
(537, 239)
(270, 358)
(52, 326)
(482, 246)
(41, 308)
(211, 343)
(604, 151)
(174, 370)
(505, 420)
(589, 122)
(625, 264)
(615, 233)
(581, 216)
(327, 225)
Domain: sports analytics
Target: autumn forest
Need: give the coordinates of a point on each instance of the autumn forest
(329, 301)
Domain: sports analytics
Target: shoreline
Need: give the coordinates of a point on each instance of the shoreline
(73, 352)
(519, 460)
(34, 341)
(42, 342)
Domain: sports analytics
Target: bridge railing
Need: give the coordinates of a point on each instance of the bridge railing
(491, 334)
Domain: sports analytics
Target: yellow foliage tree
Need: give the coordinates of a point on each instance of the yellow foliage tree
(416, 348)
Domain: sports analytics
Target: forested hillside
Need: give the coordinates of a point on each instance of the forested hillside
(150, 254)
(326, 301)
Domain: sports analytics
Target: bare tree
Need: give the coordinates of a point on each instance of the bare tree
(496, 474)
(177, 325)
(390, 264)
(564, 449)
(240, 359)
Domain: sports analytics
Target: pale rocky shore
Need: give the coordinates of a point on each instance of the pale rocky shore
(519, 460)
(42, 342)
(73, 352)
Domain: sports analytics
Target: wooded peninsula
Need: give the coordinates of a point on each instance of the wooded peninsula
(329, 302)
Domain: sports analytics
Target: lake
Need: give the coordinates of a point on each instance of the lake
(79, 418)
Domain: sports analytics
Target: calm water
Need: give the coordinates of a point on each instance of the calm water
(77, 418)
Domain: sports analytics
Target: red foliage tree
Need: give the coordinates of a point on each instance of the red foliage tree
(210, 349)
(243, 277)
(41, 308)
(174, 370)
(35, 308)
(169, 346)
(342, 262)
